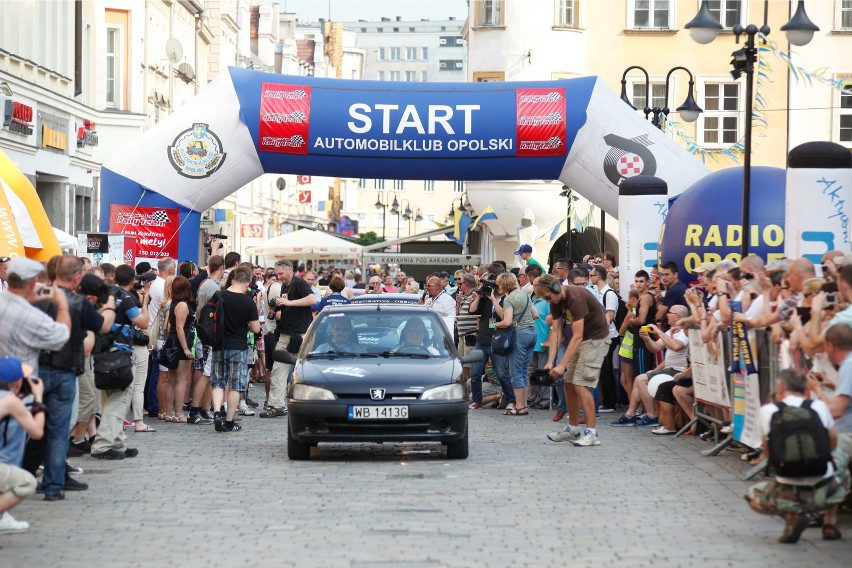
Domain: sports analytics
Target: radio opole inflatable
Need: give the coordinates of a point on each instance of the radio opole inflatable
(704, 222)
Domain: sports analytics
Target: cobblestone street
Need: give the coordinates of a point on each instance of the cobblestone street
(194, 497)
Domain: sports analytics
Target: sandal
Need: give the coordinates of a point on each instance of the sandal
(169, 418)
(520, 411)
(793, 529)
(830, 532)
(161, 416)
(145, 429)
(181, 419)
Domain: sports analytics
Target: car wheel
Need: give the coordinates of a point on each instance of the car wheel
(458, 450)
(296, 450)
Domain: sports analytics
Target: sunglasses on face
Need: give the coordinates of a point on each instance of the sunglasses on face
(5, 259)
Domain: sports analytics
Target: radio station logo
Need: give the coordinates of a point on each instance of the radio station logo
(628, 157)
(196, 152)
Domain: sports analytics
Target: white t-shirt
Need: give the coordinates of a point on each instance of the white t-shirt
(156, 293)
(818, 406)
(610, 304)
(444, 304)
(677, 359)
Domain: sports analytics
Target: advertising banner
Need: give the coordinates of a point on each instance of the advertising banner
(709, 375)
(818, 204)
(251, 231)
(643, 205)
(155, 229)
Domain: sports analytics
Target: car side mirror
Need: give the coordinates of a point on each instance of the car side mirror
(473, 356)
(283, 356)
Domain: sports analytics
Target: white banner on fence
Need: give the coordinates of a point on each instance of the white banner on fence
(709, 375)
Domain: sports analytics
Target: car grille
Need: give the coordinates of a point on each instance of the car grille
(403, 397)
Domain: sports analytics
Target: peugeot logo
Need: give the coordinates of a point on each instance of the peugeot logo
(377, 394)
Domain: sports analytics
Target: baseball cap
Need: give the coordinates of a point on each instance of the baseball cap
(143, 267)
(92, 285)
(523, 249)
(24, 268)
(11, 369)
(704, 267)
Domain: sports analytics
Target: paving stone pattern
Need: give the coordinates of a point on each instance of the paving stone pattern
(194, 497)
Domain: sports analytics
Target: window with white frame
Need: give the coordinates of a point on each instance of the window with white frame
(424, 76)
(411, 76)
(720, 121)
(658, 95)
(650, 14)
(728, 12)
(378, 217)
(429, 186)
(113, 67)
(394, 54)
(381, 54)
(362, 217)
(424, 53)
(845, 15)
(430, 217)
(378, 184)
(566, 13)
(490, 13)
(458, 186)
(362, 183)
(399, 185)
(844, 134)
(381, 75)
(394, 75)
(410, 53)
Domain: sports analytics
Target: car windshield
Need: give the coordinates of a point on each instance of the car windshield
(377, 334)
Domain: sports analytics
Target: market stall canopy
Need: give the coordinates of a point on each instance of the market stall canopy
(24, 227)
(66, 241)
(307, 244)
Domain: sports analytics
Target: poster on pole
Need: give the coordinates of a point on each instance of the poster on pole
(155, 229)
(709, 375)
(746, 386)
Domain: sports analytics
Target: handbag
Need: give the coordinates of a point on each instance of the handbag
(504, 340)
(138, 336)
(113, 370)
(542, 378)
(170, 354)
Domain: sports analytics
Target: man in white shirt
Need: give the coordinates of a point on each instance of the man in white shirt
(793, 497)
(165, 267)
(441, 302)
(609, 300)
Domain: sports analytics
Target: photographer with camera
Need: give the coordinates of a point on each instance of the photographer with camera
(18, 419)
(483, 307)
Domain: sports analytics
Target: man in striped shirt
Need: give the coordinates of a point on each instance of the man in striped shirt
(467, 324)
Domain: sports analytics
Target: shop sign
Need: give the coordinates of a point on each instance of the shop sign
(18, 117)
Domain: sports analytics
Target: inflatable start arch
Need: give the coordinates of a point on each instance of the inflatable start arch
(247, 123)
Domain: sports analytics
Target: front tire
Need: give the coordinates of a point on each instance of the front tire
(296, 450)
(459, 449)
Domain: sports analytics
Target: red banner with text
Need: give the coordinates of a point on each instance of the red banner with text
(284, 118)
(541, 122)
(155, 229)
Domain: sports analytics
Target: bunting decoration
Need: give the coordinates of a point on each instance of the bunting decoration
(579, 223)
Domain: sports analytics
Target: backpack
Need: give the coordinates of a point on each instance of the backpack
(211, 325)
(620, 311)
(798, 442)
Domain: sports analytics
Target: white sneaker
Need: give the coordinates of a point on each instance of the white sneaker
(246, 411)
(565, 435)
(663, 431)
(588, 439)
(9, 525)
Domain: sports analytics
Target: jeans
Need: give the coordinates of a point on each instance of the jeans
(477, 369)
(60, 387)
(153, 381)
(520, 356)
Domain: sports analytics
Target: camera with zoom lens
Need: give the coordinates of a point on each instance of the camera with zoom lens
(487, 287)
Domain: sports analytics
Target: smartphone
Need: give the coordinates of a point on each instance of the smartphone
(646, 329)
(45, 292)
(831, 298)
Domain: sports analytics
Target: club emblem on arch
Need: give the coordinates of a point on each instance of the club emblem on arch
(196, 152)
(628, 157)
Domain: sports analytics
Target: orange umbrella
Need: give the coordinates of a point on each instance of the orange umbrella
(24, 227)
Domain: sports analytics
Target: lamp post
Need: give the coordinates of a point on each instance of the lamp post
(568, 193)
(452, 213)
(395, 211)
(415, 216)
(689, 110)
(704, 28)
(382, 203)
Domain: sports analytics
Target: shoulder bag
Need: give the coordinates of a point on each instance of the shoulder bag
(504, 340)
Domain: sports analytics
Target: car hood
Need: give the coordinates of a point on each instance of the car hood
(356, 376)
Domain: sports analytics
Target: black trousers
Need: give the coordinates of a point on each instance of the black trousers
(606, 382)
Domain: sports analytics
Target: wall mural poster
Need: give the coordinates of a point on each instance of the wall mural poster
(155, 229)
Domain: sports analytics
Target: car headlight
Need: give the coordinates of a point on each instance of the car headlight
(446, 392)
(307, 392)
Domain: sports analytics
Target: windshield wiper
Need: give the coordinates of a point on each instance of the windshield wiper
(336, 354)
(388, 354)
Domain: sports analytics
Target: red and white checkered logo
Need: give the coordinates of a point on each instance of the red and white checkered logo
(630, 165)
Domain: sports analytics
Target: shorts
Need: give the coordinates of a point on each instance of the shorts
(665, 391)
(269, 343)
(205, 363)
(584, 369)
(656, 380)
(16, 481)
(160, 343)
(230, 369)
(774, 498)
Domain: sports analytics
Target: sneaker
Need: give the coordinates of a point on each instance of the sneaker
(126, 424)
(207, 415)
(605, 409)
(9, 525)
(233, 427)
(73, 469)
(198, 420)
(219, 422)
(72, 484)
(246, 411)
(251, 403)
(663, 431)
(131, 452)
(624, 420)
(588, 439)
(647, 422)
(109, 455)
(565, 435)
(58, 496)
(187, 406)
(76, 450)
(475, 406)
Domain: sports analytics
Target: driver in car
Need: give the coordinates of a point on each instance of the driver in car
(343, 338)
(414, 338)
